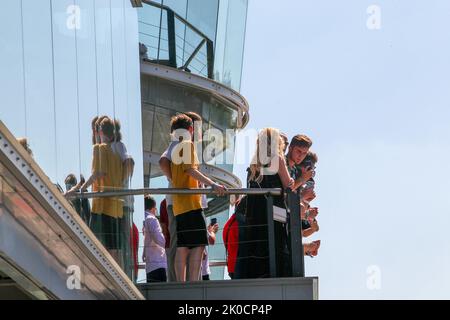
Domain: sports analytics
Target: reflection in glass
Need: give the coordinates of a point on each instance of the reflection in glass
(62, 77)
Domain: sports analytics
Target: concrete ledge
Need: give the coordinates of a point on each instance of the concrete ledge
(249, 289)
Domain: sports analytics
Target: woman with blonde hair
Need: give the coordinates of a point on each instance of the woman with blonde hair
(267, 170)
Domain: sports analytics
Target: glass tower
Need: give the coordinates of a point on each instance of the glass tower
(197, 47)
(65, 62)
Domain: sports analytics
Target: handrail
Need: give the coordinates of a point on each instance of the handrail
(293, 218)
(172, 45)
(164, 7)
(164, 191)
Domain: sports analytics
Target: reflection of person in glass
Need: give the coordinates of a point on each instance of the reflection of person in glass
(82, 206)
(126, 223)
(24, 143)
(107, 173)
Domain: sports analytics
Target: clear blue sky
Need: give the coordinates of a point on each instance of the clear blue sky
(377, 105)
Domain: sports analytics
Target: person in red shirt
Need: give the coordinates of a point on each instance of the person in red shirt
(231, 241)
(135, 246)
(164, 222)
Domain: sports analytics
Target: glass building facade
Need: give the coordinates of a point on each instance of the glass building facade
(206, 39)
(64, 62)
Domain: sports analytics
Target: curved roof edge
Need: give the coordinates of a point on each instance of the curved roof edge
(224, 93)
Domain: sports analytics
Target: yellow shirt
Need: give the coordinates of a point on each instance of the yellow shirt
(110, 164)
(180, 163)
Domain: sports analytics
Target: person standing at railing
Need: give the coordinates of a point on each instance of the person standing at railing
(154, 254)
(167, 215)
(301, 163)
(298, 150)
(125, 224)
(267, 170)
(82, 206)
(213, 227)
(187, 209)
(107, 175)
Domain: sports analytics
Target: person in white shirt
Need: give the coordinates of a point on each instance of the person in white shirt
(212, 230)
(154, 254)
(165, 160)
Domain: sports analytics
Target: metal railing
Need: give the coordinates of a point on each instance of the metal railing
(294, 221)
(203, 61)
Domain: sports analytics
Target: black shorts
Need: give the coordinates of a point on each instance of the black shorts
(191, 229)
(107, 230)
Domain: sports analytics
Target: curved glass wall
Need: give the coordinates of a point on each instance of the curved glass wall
(223, 22)
(230, 39)
(161, 99)
(63, 63)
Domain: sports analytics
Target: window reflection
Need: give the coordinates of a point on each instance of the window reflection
(60, 79)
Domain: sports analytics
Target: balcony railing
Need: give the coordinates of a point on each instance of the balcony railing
(173, 41)
(294, 222)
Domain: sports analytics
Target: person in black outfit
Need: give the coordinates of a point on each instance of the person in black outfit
(271, 172)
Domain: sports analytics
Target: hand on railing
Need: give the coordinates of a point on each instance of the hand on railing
(219, 189)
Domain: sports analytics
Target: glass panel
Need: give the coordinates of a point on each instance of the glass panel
(179, 6)
(153, 32)
(78, 60)
(11, 66)
(40, 101)
(230, 42)
(203, 15)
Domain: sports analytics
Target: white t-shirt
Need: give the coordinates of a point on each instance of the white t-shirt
(120, 149)
(168, 155)
(154, 243)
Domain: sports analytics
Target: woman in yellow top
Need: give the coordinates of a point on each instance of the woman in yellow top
(107, 175)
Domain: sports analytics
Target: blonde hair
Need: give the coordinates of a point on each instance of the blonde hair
(272, 149)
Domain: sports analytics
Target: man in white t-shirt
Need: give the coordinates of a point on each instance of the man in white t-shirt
(164, 162)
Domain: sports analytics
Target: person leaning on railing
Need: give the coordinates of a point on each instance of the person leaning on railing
(187, 209)
(301, 165)
(253, 254)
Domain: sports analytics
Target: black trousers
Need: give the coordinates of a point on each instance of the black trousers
(158, 275)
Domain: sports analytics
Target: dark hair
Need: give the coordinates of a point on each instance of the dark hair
(117, 133)
(180, 121)
(310, 160)
(107, 126)
(149, 203)
(194, 116)
(301, 140)
(94, 129)
(71, 179)
(311, 156)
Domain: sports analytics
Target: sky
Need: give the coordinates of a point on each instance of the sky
(369, 82)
